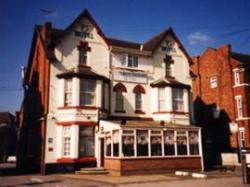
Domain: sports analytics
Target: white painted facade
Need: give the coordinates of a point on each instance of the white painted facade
(105, 61)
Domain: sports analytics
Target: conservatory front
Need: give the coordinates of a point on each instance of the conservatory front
(137, 147)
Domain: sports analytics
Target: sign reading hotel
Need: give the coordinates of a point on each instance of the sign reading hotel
(129, 76)
(168, 47)
(84, 32)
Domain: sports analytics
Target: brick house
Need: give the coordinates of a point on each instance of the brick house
(91, 100)
(221, 100)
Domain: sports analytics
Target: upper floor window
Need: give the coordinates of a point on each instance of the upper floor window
(83, 49)
(129, 60)
(68, 92)
(239, 106)
(82, 56)
(87, 92)
(161, 99)
(138, 90)
(178, 101)
(237, 77)
(168, 65)
(213, 82)
(119, 100)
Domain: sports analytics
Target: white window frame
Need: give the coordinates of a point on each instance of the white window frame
(68, 92)
(242, 137)
(161, 133)
(239, 106)
(178, 99)
(169, 69)
(160, 100)
(237, 77)
(66, 134)
(87, 92)
(134, 61)
(213, 82)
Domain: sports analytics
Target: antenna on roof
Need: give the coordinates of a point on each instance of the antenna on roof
(47, 13)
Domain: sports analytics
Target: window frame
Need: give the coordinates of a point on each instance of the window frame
(119, 100)
(83, 92)
(82, 56)
(66, 134)
(68, 92)
(160, 100)
(213, 82)
(239, 106)
(237, 77)
(178, 99)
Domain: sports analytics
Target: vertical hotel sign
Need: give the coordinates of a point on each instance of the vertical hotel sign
(130, 76)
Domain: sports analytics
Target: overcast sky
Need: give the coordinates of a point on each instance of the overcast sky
(198, 24)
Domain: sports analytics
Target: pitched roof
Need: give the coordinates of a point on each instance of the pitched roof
(123, 43)
(155, 41)
(169, 82)
(240, 57)
(85, 13)
(6, 117)
(84, 72)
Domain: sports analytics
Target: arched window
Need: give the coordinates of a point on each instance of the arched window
(138, 91)
(119, 100)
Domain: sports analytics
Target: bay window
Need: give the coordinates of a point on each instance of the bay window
(178, 101)
(87, 92)
(86, 141)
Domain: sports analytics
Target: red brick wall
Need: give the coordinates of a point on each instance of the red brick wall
(217, 62)
(151, 165)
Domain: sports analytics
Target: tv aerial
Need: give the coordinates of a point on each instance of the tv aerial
(47, 13)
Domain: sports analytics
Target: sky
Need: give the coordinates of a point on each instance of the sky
(198, 24)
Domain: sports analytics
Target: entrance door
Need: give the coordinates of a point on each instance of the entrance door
(102, 152)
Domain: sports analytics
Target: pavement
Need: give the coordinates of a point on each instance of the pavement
(214, 178)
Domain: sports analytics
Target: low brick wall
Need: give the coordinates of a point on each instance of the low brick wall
(131, 166)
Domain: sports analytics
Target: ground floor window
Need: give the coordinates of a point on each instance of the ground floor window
(181, 140)
(108, 146)
(169, 143)
(66, 141)
(116, 143)
(142, 142)
(156, 149)
(86, 141)
(146, 143)
(193, 143)
(128, 141)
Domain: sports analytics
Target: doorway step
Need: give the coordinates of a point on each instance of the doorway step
(94, 171)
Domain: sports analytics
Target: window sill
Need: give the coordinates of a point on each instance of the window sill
(139, 112)
(120, 111)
